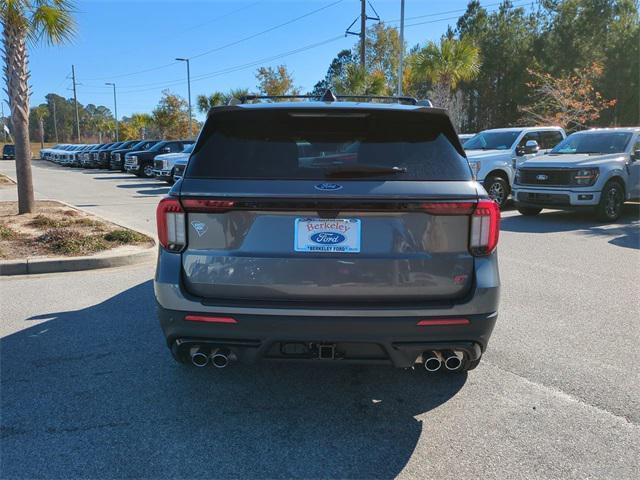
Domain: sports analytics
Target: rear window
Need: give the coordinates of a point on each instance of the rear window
(320, 144)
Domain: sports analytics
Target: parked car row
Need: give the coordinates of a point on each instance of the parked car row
(144, 158)
(539, 167)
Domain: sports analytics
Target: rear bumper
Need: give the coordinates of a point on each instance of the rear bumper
(364, 335)
(555, 197)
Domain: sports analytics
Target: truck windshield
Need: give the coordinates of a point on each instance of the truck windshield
(317, 144)
(593, 142)
(492, 140)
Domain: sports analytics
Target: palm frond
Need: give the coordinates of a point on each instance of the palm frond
(52, 21)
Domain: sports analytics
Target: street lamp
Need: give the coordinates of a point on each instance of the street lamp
(188, 93)
(115, 105)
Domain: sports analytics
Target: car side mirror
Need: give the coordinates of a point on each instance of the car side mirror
(166, 150)
(531, 147)
(635, 156)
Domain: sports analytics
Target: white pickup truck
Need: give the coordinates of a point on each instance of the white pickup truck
(495, 154)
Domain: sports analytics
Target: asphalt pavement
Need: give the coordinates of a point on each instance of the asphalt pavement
(89, 390)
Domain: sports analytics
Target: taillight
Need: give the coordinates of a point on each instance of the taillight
(171, 224)
(485, 228)
(205, 205)
(448, 208)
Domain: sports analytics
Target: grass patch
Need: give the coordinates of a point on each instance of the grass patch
(42, 221)
(125, 236)
(87, 222)
(6, 233)
(70, 242)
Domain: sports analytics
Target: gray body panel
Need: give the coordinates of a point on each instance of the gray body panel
(405, 256)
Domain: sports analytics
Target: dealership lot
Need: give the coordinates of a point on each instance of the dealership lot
(89, 388)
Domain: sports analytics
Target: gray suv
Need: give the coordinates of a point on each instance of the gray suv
(328, 231)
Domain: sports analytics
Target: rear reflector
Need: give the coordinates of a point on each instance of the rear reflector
(204, 205)
(171, 224)
(434, 322)
(207, 319)
(448, 208)
(485, 228)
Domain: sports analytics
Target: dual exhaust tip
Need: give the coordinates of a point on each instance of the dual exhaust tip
(434, 360)
(218, 357)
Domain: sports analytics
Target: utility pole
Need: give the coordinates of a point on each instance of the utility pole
(363, 33)
(363, 30)
(401, 48)
(75, 101)
(55, 120)
(115, 106)
(188, 94)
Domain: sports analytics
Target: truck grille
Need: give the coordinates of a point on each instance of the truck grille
(158, 164)
(544, 177)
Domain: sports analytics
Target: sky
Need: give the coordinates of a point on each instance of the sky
(134, 44)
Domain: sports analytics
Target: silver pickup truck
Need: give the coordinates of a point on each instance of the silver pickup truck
(597, 169)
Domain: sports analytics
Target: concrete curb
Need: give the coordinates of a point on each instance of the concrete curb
(30, 266)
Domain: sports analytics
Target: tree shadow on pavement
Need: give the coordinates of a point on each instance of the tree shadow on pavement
(623, 233)
(95, 393)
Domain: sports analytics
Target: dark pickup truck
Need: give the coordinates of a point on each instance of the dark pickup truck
(116, 161)
(140, 162)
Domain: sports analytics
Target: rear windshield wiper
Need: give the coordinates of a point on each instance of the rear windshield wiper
(363, 171)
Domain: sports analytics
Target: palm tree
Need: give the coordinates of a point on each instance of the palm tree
(445, 66)
(41, 112)
(358, 81)
(23, 21)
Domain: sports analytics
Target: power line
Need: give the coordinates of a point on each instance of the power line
(271, 29)
(239, 67)
(222, 47)
(228, 14)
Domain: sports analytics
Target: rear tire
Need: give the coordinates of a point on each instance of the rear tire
(529, 211)
(498, 190)
(611, 202)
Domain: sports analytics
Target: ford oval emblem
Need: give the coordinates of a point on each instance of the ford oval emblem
(328, 238)
(542, 177)
(328, 187)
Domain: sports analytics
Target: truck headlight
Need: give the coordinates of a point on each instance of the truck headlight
(475, 167)
(585, 176)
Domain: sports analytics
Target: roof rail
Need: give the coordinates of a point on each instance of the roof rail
(329, 96)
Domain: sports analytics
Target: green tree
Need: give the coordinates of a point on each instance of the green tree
(171, 116)
(206, 102)
(48, 20)
(507, 39)
(40, 113)
(336, 72)
(445, 66)
(276, 81)
(580, 32)
(383, 52)
(358, 81)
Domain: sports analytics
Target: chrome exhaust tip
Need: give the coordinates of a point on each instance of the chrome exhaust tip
(452, 361)
(199, 359)
(432, 361)
(220, 358)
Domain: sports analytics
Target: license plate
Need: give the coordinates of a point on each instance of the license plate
(327, 235)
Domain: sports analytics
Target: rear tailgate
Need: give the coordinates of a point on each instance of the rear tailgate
(396, 252)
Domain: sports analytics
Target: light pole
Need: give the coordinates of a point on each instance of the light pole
(188, 93)
(115, 105)
(401, 47)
